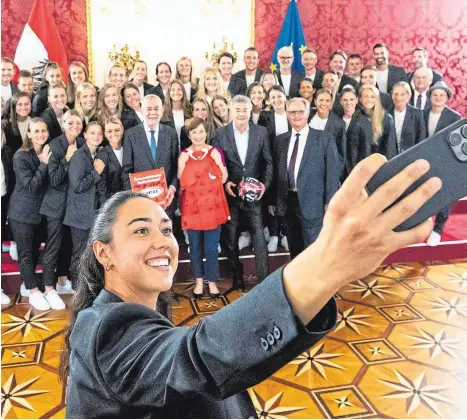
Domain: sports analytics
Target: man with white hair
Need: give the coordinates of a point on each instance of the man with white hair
(151, 145)
(422, 80)
(420, 60)
(248, 159)
(288, 78)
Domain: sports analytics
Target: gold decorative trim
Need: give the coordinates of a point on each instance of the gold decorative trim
(252, 23)
(89, 34)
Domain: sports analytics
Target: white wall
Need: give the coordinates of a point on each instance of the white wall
(165, 30)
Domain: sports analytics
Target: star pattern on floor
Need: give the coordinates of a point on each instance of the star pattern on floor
(271, 408)
(376, 350)
(400, 313)
(343, 402)
(350, 319)
(372, 288)
(436, 343)
(19, 354)
(417, 393)
(316, 360)
(452, 307)
(27, 323)
(460, 279)
(16, 395)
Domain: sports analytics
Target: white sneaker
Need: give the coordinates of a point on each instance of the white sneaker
(55, 301)
(267, 236)
(66, 289)
(272, 245)
(5, 299)
(24, 292)
(13, 251)
(434, 239)
(244, 242)
(187, 239)
(285, 243)
(38, 301)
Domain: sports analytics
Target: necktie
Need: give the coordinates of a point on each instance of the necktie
(293, 161)
(153, 145)
(419, 102)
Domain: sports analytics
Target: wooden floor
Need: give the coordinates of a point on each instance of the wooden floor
(399, 351)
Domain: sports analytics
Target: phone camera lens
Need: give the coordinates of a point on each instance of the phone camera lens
(455, 139)
(464, 131)
(464, 148)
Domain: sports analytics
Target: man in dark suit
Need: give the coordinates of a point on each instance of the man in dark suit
(421, 81)
(288, 78)
(306, 176)
(368, 77)
(420, 60)
(337, 62)
(9, 88)
(241, 80)
(387, 74)
(354, 66)
(151, 145)
(246, 149)
(309, 60)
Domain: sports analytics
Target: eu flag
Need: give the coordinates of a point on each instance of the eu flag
(291, 35)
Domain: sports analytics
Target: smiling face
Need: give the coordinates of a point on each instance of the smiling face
(297, 115)
(198, 135)
(324, 103)
(38, 133)
(77, 75)
(73, 126)
(54, 77)
(368, 99)
(94, 135)
(7, 73)
(306, 90)
(268, 82)
(117, 77)
(240, 113)
(400, 97)
(140, 72)
(368, 77)
(176, 92)
(381, 55)
(184, 67)
(220, 108)
(225, 66)
(439, 98)
(251, 60)
(143, 250)
(200, 110)
(337, 64)
(132, 98)
(26, 84)
(349, 102)
(23, 107)
(152, 110)
(355, 65)
(277, 100)
(211, 82)
(309, 60)
(57, 97)
(257, 96)
(285, 57)
(422, 79)
(164, 74)
(329, 81)
(111, 98)
(88, 99)
(419, 59)
(114, 134)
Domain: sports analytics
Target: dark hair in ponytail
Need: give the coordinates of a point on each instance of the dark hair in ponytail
(91, 272)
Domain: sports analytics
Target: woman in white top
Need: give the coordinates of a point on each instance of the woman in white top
(86, 103)
(225, 64)
(210, 85)
(256, 94)
(176, 107)
(221, 111)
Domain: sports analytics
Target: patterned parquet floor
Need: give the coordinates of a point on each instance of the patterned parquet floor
(399, 351)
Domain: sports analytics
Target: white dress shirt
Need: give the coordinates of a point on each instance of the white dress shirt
(140, 115)
(347, 122)
(433, 120)
(241, 140)
(6, 92)
(282, 125)
(382, 79)
(148, 133)
(119, 154)
(286, 79)
(399, 118)
(226, 84)
(415, 99)
(318, 123)
(301, 147)
(141, 91)
(187, 87)
(179, 121)
(255, 117)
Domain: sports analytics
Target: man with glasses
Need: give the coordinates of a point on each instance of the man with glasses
(288, 78)
(422, 79)
(306, 174)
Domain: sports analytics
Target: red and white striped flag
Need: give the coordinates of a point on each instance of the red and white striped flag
(40, 41)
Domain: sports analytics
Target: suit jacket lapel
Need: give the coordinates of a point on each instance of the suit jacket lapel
(441, 120)
(161, 143)
(112, 156)
(306, 153)
(144, 145)
(405, 132)
(252, 129)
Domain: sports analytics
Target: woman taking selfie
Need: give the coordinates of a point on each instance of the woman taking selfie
(124, 359)
(204, 209)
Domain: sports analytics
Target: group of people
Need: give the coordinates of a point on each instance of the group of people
(66, 149)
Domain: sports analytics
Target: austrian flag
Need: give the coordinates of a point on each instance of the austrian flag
(40, 41)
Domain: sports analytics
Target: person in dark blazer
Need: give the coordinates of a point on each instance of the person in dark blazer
(117, 332)
(142, 152)
(51, 77)
(58, 247)
(309, 61)
(337, 62)
(185, 73)
(421, 82)
(25, 84)
(163, 77)
(225, 63)
(330, 82)
(288, 78)
(247, 154)
(307, 91)
(30, 166)
(384, 131)
(139, 76)
(84, 173)
(359, 133)
(420, 60)
(9, 88)
(200, 109)
(387, 74)
(438, 117)
(408, 121)
(324, 119)
(7, 186)
(77, 74)
(86, 103)
(20, 116)
(110, 103)
(306, 176)
(53, 116)
(112, 156)
(131, 113)
(241, 80)
(368, 77)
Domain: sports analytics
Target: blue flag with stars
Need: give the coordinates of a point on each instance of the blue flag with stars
(291, 35)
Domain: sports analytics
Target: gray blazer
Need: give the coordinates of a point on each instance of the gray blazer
(413, 128)
(128, 361)
(318, 175)
(54, 202)
(81, 203)
(137, 155)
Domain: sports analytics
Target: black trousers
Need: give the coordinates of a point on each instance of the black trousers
(64, 255)
(441, 219)
(6, 230)
(28, 240)
(79, 238)
(254, 223)
(300, 232)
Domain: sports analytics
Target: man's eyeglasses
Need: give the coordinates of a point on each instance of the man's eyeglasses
(285, 58)
(300, 113)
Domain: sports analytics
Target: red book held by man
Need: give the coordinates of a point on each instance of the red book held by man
(152, 183)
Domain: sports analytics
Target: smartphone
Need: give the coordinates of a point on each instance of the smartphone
(446, 151)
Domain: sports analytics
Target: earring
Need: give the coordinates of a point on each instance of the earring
(107, 267)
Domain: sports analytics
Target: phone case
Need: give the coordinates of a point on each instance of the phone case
(446, 151)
